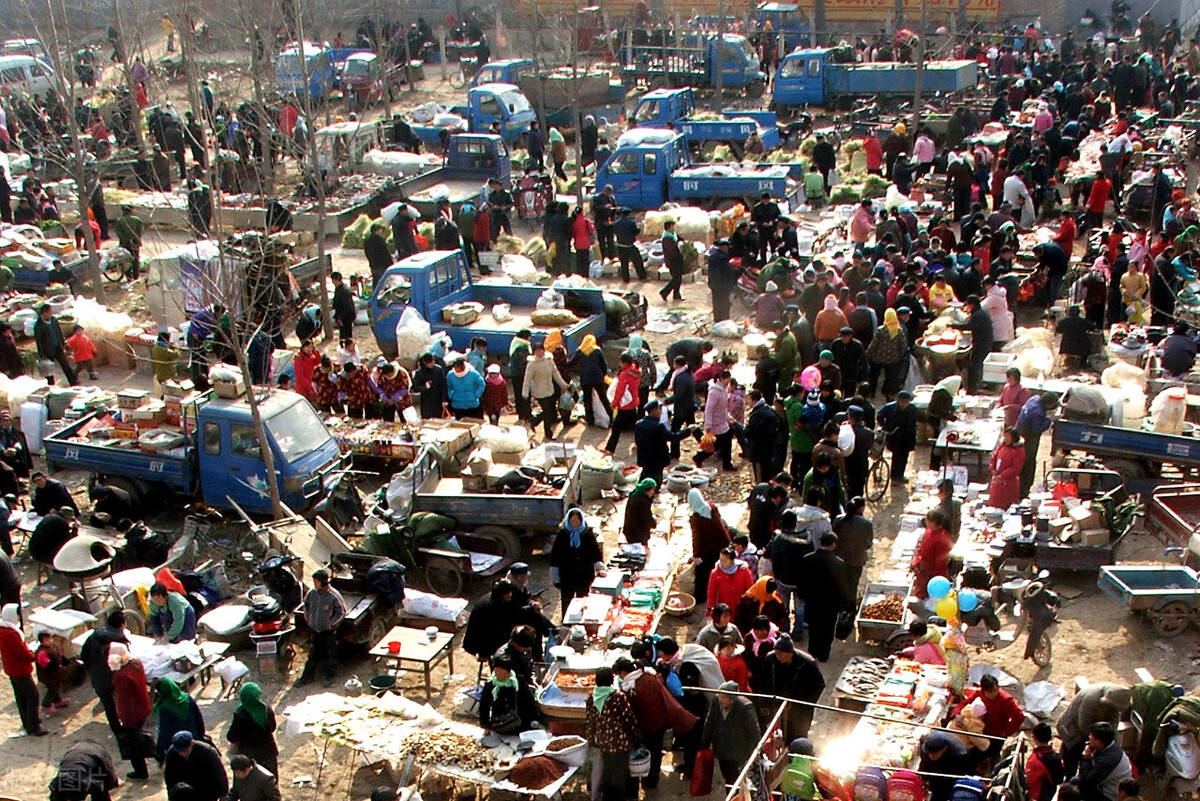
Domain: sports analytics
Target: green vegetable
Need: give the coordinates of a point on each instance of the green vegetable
(875, 186)
(845, 193)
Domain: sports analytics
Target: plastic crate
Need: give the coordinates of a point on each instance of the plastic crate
(995, 365)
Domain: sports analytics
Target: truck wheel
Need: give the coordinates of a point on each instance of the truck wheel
(755, 88)
(378, 629)
(1172, 620)
(509, 542)
(443, 577)
(132, 487)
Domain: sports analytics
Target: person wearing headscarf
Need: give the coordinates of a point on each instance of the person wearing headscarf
(888, 354)
(177, 712)
(645, 362)
(589, 360)
(612, 729)
(252, 730)
(132, 696)
(709, 537)
(639, 512)
(576, 558)
(506, 705)
(18, 663)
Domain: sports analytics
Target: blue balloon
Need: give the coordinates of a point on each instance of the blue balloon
(967, 601)
(939, 587)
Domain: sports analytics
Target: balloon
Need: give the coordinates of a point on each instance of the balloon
(967, 601)
(947, 608)
(810, 377)
(938, 587)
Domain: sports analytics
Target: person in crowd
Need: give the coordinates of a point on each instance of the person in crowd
(429, 382)
(1005, 465)
(979, 325)
(252, 730)
(51, 344)
(888, 354)
(132, 695)
(654, 708)
(491, 621)
(898, 419)
(324, 610)
(731, 729)
(18, 663)
(932, 557)
(194, 762)
(588, 362)
(464, 390)
(1177, 354)
(1075, 344)
(680, 386)
(542, 383)
(177, 714)
(766, 500)
(611, 727)
(1043, 767)
(730, 579)
(1102, 702)
(94, 654)
(576, 558)
(855, 537)
(733, 667)
(506, 704)
(1012, 396)
(50, 494)
(652, 440)
(720, 625)
(1033, 420)
(639, 520)
(626, 400)
(710, 536)
(51, 670)
(495, 394)
(825, 591)
(791, 673)
(251, 781)
(944, 759)
(85, 771)
(1103, 765)
(172, 619)
(1003, 716)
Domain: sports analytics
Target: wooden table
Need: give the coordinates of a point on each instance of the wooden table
(415, 646)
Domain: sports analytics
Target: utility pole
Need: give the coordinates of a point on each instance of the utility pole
(919, 48)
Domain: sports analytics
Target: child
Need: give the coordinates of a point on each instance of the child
(495, 394)
(51, 672)
(733, 668)
(737, 402)
(284, 382)
(83, 351)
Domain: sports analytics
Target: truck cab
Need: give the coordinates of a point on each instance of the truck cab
(663, 108)
(317, 62)
(501, 103)
(640, 166)
(787, 21)
(738, 64)
(365, 78)
(508, 70)
(230, 458)
(800, 78)
(471, 160)
(341, 146)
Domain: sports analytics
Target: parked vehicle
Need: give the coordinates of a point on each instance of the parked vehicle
(508, 70)
(470, 162)
(26, 75)
(674, 108)
(695, 62)
(501, 104)
(813, 78)
(25, 47)
(364, 79)
(317, 63)
(341, 146)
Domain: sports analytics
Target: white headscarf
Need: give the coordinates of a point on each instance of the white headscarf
(699, 505)
(118, 655)
(10, 617)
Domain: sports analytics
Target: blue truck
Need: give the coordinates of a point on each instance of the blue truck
(431, 281)
(675, 109)
(470, 162)
(220, 461)
(694, 62)
(649, 167)
(318, 63)
(501, 103)
(813, 78)
(506, 70)
(1138, 455)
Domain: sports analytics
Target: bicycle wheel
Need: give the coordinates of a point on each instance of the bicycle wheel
(114, 271)
(878, 479)
(458, 79)
(1044, 650)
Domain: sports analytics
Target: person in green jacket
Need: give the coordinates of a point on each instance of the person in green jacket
(803, 425)
(824, 474)
(786, 354)
(172, 618)
(165, 360)
(814, 187)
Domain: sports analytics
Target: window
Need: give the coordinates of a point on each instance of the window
(814, 68)
(212, 439)
(244, 442)
(12, 75)
(650, 164)
(36, 70)
(647, 110)
(792, 68)
(297, 431)
(489, 107)
(623, 164)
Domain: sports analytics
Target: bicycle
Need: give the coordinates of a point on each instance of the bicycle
(879, 474)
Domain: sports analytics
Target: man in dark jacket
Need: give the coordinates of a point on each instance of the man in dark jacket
(51, 533)
(344, 312)
(1179, 350)
(731, 729)
(196, 764)
(251, 781)
(655, 710)
(856, 535)
(858, 461)
(429, 381)
(767, 499)
(1076, 346)
(899, 420)
(86, 770)
(681, 385)
(1104, 764)
(791, 673)
(50, 494)
(692, 349)
(946, 756)
(979, 324)
(786, 550)
(50, 343)
(491, 621)
(722, 277)
(653, 440)
(823, 577)
(825, 157)
(626, 230)
(763, 215)
(604, 212)
(445, 231)
(758, 436)
(379, 257)
(851, 357)
(402, 232)
(94, 654)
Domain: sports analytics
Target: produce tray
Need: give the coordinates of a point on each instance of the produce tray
(879, 630)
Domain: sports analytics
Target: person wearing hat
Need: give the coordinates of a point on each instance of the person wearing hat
(1033, 421)
(652, 440)
(625, 231)
(851, 359)
(500, 203)
(604, 213)
(731, 730)
(899, 420)
(51, 345)
(375, 248)
(888, 353)
(768, 307)
(764, 214)
(979, 325)
(791, 673)
(194, 762)
(824, 157)
(128, 230)
(611, 728)
(722, 277)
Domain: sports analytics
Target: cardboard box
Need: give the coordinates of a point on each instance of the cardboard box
(229, 389)
(1094, 537)
(1059, 526)
(132, 398)
(472, 481)
(177, 387)
(511, 457)
(1086, 517)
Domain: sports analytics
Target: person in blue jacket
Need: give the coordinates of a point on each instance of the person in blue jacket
(1033, 421)
(464, 387)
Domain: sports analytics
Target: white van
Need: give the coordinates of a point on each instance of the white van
(25, 75)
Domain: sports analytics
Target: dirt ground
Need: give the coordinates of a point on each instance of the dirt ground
(1097, 637)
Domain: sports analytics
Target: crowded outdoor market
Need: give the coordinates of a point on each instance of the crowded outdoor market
(537, 401)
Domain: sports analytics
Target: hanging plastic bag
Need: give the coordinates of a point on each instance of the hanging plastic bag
(550, 299)
(596, 269)
(913, 379)
(708, 442)
(599, 413)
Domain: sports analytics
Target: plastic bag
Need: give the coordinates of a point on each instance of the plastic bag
(412, 332)
(702, 773)
(726, 329)
(708, 442)
(502, 312)
(913, 379)
(519, 268)
(550, 299)
(596, 269)
(599, 414)
(1043, 697)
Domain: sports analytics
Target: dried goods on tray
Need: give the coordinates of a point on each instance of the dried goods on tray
(890, 608)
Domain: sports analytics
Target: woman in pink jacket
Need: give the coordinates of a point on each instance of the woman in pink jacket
(583, 234)
(716, 421)
(1005, 467)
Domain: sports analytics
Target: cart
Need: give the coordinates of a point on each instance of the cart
(1173, 515)
(1169, 595)
(447, 571)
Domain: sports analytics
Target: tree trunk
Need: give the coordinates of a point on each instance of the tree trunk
(130, 83)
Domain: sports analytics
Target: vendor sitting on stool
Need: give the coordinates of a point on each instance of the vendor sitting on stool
(172, 618)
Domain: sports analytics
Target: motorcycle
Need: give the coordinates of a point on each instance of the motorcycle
(535, 190)
(1181, 761)
(343, 507)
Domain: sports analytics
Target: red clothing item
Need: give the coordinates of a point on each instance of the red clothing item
(15, 654)
(1098, 197)
(653, 706)
(131, 694)
(1041, 783)
(874, 153)
(324, 389)
(931, 559)
(1066, 233)
(626, 394)
(495, 394)
(82, 349)
(1005, 466)
(728, 588)
(733, 668)
(1121, 126)
(583, 232)
(1004, 715)
(303, 366)
(709, 535)
(287, 118)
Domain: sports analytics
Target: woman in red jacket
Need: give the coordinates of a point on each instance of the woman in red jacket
(710, 536)
(18, 664)
(132, 696)
(1005, 467)
(933, 552)
(729, 581)
(583, 235)
(303, 365)
(625, 401)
